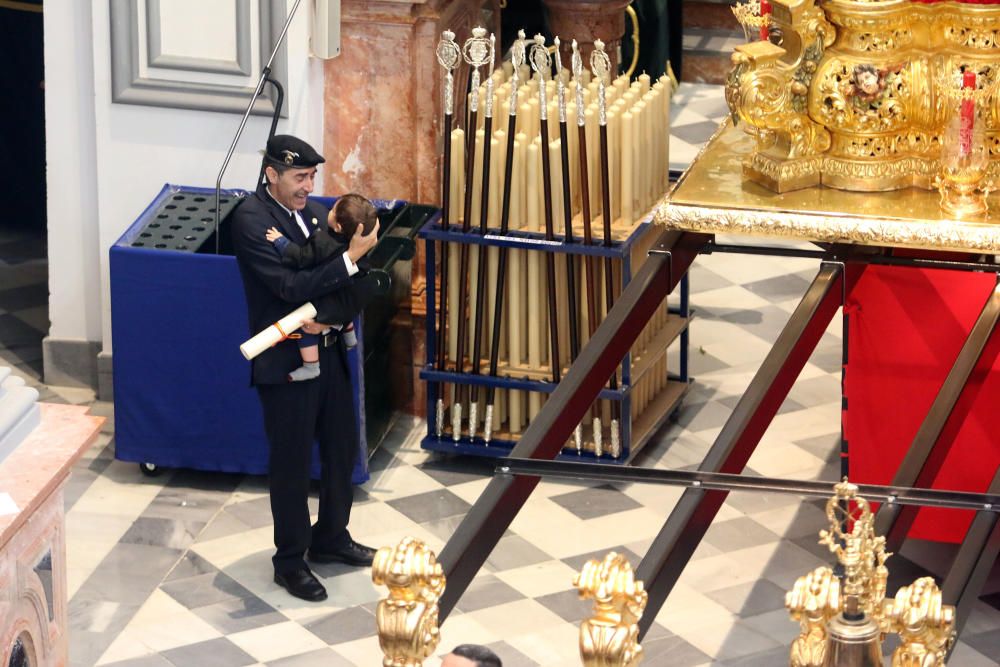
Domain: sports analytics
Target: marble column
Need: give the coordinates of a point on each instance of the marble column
(586, 21)
(382, 123)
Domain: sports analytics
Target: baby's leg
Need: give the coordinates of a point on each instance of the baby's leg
(350, 338)
(309, 349)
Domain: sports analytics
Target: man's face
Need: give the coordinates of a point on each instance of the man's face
(293, 187)
(452, 660)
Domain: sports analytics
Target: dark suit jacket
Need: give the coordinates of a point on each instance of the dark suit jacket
(272, 289)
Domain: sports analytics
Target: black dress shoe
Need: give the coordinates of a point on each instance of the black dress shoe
(351, 553)
(301, 584)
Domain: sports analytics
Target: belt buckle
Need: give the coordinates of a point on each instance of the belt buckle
(329, 338)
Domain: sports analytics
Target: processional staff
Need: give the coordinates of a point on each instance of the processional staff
(574, 336)
(477, 322)
(588, 239)
(475, 51)
(542, 66)
(517, 59)
(600, 67)
(448, 55)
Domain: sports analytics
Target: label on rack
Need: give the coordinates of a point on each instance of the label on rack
(497, 237)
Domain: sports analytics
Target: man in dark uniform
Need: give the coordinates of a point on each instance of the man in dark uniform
(298, 413)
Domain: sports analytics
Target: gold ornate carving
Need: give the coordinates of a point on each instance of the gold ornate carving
(925, 625)
(767, 90)
(862, 84)
(813, 602)
(408, 618)
(610, 638)
(839, 617)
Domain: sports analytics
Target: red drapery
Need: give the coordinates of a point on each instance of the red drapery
(905, 329)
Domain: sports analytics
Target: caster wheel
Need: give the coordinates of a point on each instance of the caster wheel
(150, 469)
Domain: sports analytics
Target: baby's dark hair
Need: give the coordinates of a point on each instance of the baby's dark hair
(352, 210)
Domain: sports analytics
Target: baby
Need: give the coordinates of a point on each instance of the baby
(348, 213)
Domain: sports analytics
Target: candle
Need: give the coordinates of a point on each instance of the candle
(477, 179)
(639, 172)
(765, 14)
(968, 113)
(457, 174)
(628, 215)
(533, 212)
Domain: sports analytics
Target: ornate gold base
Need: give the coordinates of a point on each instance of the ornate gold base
(883, 176)
(783, 175)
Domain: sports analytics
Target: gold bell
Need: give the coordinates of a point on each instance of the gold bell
(853, 641)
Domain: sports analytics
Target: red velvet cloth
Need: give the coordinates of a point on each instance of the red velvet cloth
(905, 329)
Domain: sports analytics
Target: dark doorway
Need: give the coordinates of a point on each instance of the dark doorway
(23, 224)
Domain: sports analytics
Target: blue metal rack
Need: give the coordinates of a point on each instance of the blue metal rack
(658, 411)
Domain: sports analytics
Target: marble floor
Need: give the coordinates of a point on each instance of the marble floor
(174, 570)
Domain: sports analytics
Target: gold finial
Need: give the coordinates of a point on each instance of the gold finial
(610, 638)
(408, 618)
(852, 539)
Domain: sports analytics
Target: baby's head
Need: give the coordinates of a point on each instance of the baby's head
(351, 211)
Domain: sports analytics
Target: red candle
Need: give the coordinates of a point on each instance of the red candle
(968, 113)
(765, 13)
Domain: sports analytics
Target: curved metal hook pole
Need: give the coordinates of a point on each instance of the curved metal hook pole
(264, 74)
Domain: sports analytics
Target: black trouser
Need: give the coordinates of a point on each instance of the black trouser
(295, 415)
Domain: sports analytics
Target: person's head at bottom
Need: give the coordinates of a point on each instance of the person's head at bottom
(350, 212)
(471, 655)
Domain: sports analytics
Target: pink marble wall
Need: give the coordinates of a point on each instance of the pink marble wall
(34, 475)
(382, 123)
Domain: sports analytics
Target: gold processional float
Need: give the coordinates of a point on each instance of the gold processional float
(844, 618)
(871, 97)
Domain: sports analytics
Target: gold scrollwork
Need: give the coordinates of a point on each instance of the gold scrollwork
(610, 637)
(925, 625)
(408, 618)
(865, 82)
(813, 602)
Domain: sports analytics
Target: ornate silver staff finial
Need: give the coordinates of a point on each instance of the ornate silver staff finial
(576, 62)
(560, 86)
(476, 52)
(600, 67)
(516, 59)
(539, 57)
(489, 80)
(448, 55)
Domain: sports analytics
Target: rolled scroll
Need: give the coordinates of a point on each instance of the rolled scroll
(278, 331)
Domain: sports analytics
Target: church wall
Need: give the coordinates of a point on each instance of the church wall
(107, 160)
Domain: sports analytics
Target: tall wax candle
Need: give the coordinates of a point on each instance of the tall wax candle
(765, 26)
(628, 211)
(968, 114)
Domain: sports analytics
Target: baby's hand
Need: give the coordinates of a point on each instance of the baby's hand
(273, 234)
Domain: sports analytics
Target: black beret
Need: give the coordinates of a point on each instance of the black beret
(289, 151)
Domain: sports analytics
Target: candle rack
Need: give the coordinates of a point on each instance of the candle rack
(649, 391)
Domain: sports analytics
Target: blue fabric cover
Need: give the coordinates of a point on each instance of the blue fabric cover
(182, 389)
